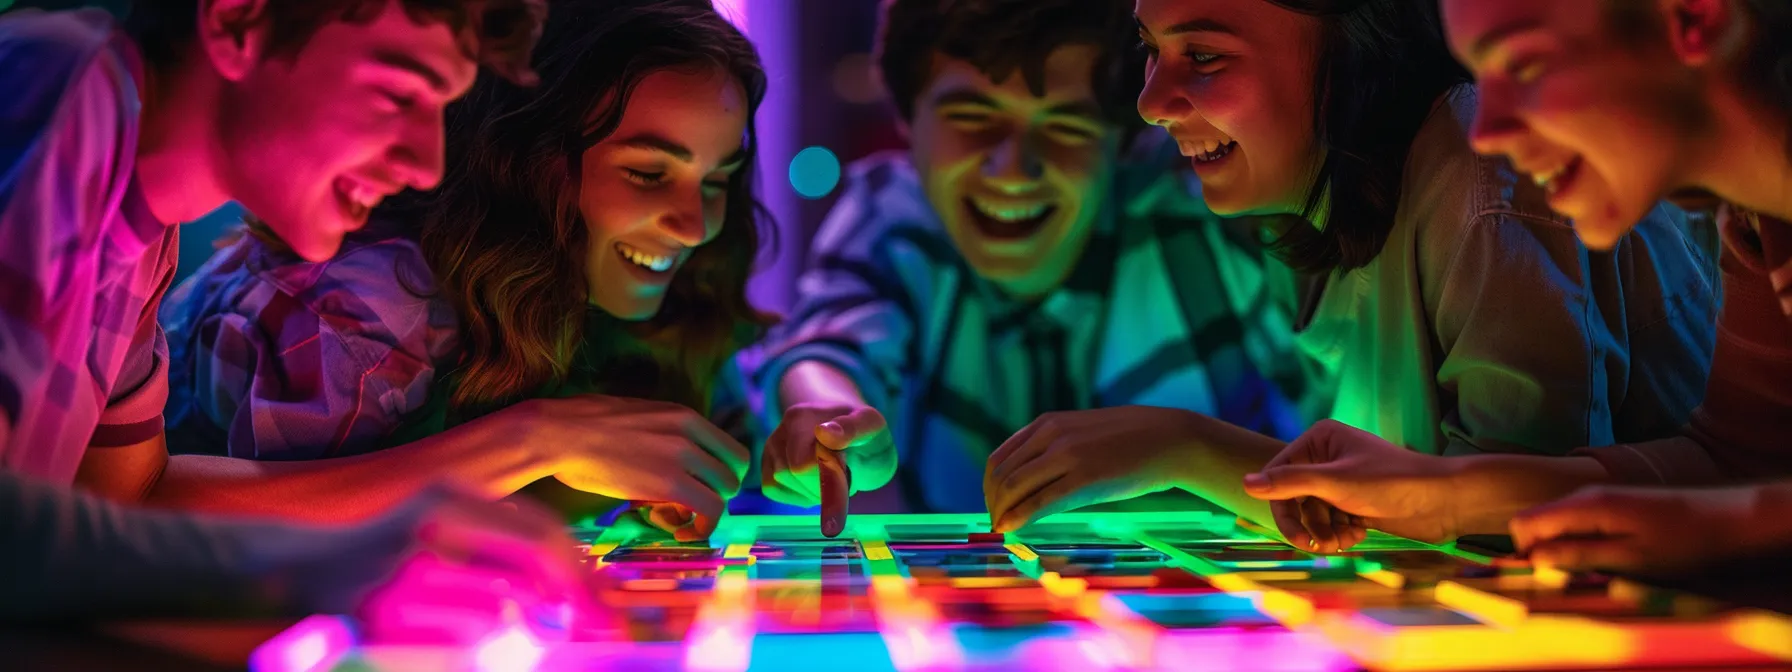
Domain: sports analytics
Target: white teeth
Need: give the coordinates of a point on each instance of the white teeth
(1010, 213)
(1218, 151)
(653, 263)
(1547, 179)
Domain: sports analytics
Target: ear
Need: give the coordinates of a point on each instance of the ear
(233, 34)
(1698, 29)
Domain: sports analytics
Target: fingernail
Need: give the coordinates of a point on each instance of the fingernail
(832, 526)
(834, 428)
(1256, 482)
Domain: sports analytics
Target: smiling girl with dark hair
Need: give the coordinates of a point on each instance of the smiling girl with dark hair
(563, 305)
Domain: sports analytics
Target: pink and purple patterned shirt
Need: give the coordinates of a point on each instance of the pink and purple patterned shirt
(83, 262)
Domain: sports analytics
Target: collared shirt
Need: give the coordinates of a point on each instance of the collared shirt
(277, 358)
(1485, 326)
(83, 262)
(1169, 306)
(1739, 434)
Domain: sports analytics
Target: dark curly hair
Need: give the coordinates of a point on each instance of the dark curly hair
(505, 238)
(1382, 66)
(497, 33)
(1000, 37)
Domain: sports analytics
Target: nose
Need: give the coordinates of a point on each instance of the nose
(418, 158)
(1015, 166)
(1163, 101)
(1496, 126)
(684, 221)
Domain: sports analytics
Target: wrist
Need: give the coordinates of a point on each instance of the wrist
(1484, 492)
(512, 446)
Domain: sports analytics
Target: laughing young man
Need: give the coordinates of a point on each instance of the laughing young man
(1032, 264)
(305, 111)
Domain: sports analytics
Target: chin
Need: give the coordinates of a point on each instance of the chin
(629, 311)
(1227, 205)
(1600, 236)
(311, 245)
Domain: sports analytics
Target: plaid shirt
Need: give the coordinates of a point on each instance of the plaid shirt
(1169, 306)
(82, 260)
(277, 358)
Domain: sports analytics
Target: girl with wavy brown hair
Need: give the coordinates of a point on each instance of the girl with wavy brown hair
(565, 304)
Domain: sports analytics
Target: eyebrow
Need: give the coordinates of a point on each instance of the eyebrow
(1487, 40)
(658, 143)
(1081, 108)
(408, 63)
(1195, 26)
(964, 97)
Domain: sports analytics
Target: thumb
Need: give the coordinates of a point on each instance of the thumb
(1291, 481)
(844, 431)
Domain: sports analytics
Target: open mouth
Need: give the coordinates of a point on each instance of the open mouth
(652, 262)
(1215, 152)
(357, 198)
(1558, 179)
(1008, 220)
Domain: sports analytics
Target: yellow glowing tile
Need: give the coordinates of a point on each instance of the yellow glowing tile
(1022, 553)
(1550, 577)
(1276, 576)
(1060, 586)
(600, 550)
(1488, 607)
(738, 551)
(1233, 583)
(877, 550)
(648, 585)
(1287, 608)
(989, 582)
(1765, 632)
(1385, 577)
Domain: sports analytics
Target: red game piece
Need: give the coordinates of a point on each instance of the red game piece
(988, 538)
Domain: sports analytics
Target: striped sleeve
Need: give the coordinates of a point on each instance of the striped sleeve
(855, 305)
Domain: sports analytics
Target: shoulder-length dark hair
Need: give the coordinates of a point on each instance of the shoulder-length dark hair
(505, 238)
(1382, 65)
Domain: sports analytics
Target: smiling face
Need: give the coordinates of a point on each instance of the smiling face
(656, 188)
(1607, 124)
(1017, 179)
(310, 142)
(1232, 81)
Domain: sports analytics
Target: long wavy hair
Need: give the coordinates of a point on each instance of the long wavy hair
(505, 238)
(1382, 66)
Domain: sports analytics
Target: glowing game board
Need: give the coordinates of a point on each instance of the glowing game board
(1077, 592)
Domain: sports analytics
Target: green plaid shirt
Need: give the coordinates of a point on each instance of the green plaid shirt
(1170, 306)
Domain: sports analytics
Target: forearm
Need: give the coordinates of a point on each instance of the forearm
(486, 455)
(1217, 461)
(71, 556)
(1487, 490)
(817, 381)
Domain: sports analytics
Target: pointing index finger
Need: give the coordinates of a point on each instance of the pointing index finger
(836, 489)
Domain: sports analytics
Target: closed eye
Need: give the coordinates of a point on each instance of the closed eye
(645, 178)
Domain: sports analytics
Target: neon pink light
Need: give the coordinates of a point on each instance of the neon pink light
(313, 644)
(512, 650)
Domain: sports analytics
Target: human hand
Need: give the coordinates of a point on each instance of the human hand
(649, 452)
(789, 470)
(444, 567)
(1068, 460)
(1649, 531)
(1335, 482)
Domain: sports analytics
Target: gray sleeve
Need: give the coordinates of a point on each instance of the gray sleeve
(66, 555)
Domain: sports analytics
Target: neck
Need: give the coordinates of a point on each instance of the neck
(177, 148)
(1752, 168)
